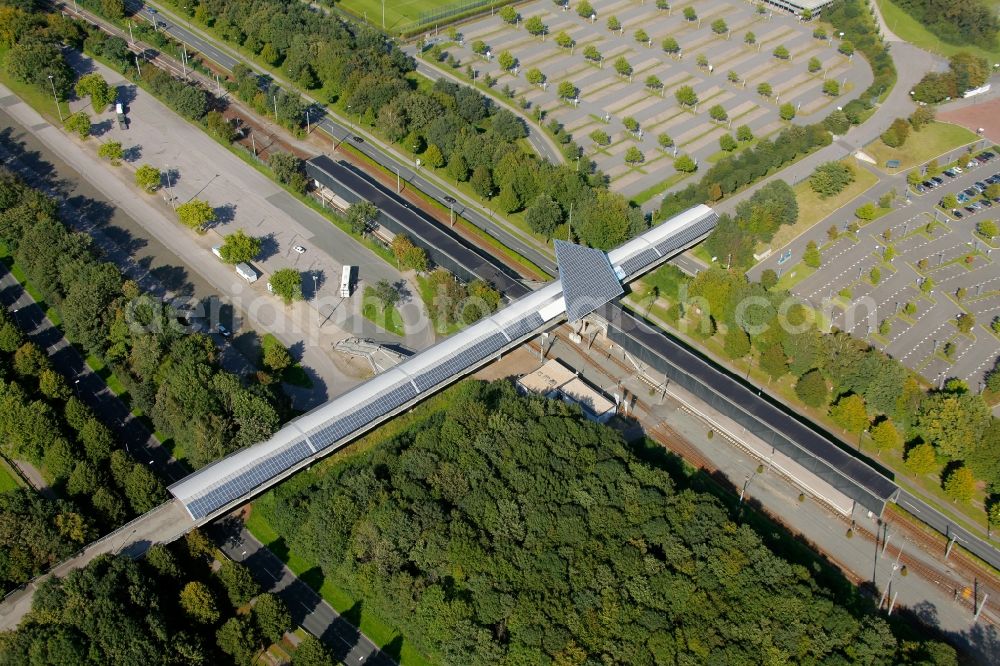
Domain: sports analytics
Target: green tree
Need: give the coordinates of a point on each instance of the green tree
(764, 89)
(718, 112)
(831, 88)
(949, 201)
(196, 214)
(727, 143)
(634, 156)
(811, 389)
(272, 617)
(386, 294)
(865, 212)
(686, 96)
(310, 652)
(786, 111)
(654, 83)
(567, 90)
(509, 15)
(198, 603)
(53, 385)
(543, 215)
(750, 38)
(885, 435)
(690, 14)
(896, 135)
(744, 133)
(238, 638)
(148, 178)
(774, 362)
(564, 40)
(719, 27)
(811, 257)
(641, 36)
(814, 65)
(965, 322)
(684, 164)
(622, 66)
(600, 137)
(664, 140)
(239, 583)
(100, 93)
(781, 53)
(79, 122)
(850, 413)
(506, 60)
(239, 247)
(987, 229)
(286, 284)
(831, 178)
(670, 45)
(960, 484)
(218, 125)
(591, 53)
(274, 355)
(846, 48)
(361, 215)
(433, 157)
(584, 9)
(535, 27)
(534, 76)
(614, 25)
(737, 343)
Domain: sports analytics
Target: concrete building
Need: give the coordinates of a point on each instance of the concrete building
(798, 6)
(554, 380)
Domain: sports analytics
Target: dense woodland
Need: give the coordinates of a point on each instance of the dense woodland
(960, 22)
(511, 530)
(171, 607)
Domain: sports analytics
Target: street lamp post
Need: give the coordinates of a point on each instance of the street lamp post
(55, 97)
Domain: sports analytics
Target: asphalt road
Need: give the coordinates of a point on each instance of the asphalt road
(307, 608)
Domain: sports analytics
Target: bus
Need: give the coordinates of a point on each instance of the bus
(345, 282)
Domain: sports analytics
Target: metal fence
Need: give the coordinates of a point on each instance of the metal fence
(448, 14)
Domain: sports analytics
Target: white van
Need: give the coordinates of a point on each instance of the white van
(217, 251)
(245, 272)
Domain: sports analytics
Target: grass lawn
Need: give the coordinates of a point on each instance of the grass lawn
(909, 29)
(8, 478)
(386, 318)
(812, 209)
(928, 143)
(427, 296)
(399, 12)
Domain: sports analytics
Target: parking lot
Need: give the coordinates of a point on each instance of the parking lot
(606, 98)
(912, 320)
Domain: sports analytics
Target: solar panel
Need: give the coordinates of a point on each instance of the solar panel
(248, 479)
(588, 280)
(458, 363)
(641, 260)
(685, 236)
(376, 407)
(523, 326)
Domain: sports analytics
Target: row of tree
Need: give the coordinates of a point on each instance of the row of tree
(862, 388)
(965, 72)
(168, 608)
(506, 529)
(958, 22)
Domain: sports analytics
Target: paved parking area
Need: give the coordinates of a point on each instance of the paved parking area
(606, 95)
(928, 245)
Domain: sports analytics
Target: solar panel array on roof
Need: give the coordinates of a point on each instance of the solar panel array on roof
(378, 406)
(685, 236)
(453, 365)
(588, 280)
(248, 479)
(523, 326)
(641, 260)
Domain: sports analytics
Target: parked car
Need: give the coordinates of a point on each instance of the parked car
(950, 173)
(969, 192)
(957, 213)
(920, 188)
(225, 332)
(972, 211)
(928, 184)
(975, 205)
(972, 164)
(938, 180)
(957, 169)
(986, 202)
(961, 197)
